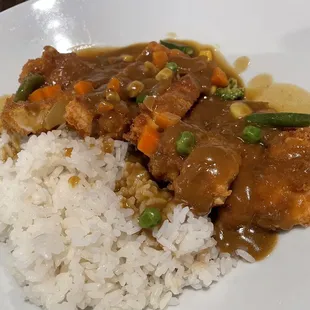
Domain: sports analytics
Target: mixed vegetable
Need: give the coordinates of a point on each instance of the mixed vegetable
(150, 217)
(252, 134)
(182, 47)
(279, 119)
(29, 84)
(231, 91)
(185, 143)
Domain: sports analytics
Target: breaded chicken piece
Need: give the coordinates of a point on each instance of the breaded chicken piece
(212, 166)
(178, 99)
(25, 118)
(57, 68)
(83, 115)
(279, 186)
(80, 115)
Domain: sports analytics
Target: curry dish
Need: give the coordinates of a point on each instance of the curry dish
(187, 117)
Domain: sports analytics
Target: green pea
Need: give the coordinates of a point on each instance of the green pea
(252, 134)
(185, 143)
(149, 218)
(172, 66)
(140, 98)
(29, 84)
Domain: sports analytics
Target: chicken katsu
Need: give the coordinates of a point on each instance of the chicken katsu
(187, 116)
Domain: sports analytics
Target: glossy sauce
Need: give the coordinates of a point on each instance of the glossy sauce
(257, 242)
(241, 64)
(214, 117)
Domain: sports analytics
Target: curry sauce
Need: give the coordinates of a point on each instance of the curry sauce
(214, 115)
(257, 188)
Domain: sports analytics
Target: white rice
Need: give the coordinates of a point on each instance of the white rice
(74, 247)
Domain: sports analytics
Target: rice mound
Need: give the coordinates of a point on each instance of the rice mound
(74, 247)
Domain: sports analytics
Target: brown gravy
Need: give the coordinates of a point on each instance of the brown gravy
(136, 49)
(257, 242)
(241, 64)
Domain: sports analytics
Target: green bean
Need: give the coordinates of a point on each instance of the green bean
(149, 218)
(185, 143)
(184, 48)
(28, 85)
(252, 134)
(283, 119)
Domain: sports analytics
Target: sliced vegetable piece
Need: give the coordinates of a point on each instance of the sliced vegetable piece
(231, 92)
(240, 109)
(185, 143)
(44, 93)
(283, 119)
(148, 141)
(150, 218)
(28, 85)
(166, 119)
(172, 66)
(114, 84)
(140, 98)
(160, 58)
(186, 49)
(219, 77)
(252, 134)
(83, 87)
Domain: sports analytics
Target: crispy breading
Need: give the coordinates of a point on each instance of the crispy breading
(178, 99)
(80, 116)
(279, 186)
(25, 118)
(57, 68)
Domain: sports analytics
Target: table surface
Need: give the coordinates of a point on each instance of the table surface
(5, 4)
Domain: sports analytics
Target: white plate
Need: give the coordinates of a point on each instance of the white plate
(273, 33)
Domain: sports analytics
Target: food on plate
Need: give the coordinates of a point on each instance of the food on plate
(128, 174)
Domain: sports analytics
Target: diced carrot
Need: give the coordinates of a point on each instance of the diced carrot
(148, 141)
(166, 119)
(51, 91)
(114, 84)
(83, 87)
(160, 58)
(44, 93)
(36, 96)
(104, 107)
(219, 78)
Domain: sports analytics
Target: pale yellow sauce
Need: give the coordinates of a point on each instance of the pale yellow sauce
(241, 64)
(281, 97)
